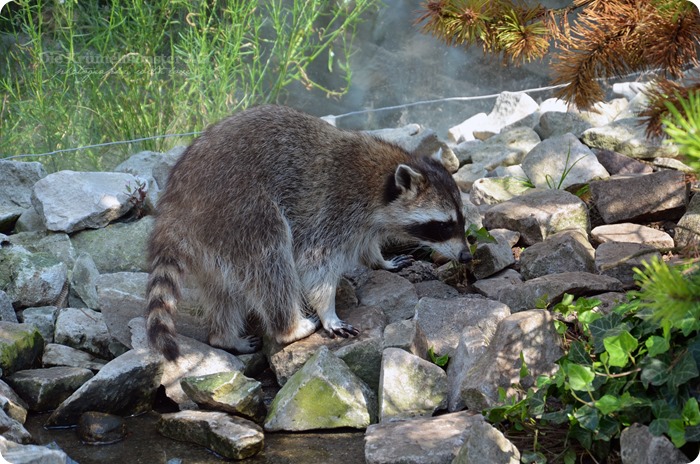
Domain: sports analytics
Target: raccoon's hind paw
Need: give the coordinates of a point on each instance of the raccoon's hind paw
(342, 329)
(249, 344)
(399, 262)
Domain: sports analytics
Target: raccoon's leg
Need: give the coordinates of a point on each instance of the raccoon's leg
(227, 314)
(373, 258)
(320, 285)
(270, 279)
(226, 330)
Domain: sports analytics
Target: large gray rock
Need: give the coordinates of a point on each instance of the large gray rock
(83, 329)
(688, 230)
(490, 258)
(639, 446)
(407, 335)
(84, 281)
(17, 180)
(31, 279)
(71, 201)
(627, 232)
(626, 136)
(494, 190)
(196, 358)
(119, 247)
(619, 260)
(487, 444)
(530, 334)
(410, 386)
(125, 386)
(162, 167)
(556, 124)
(434, 440)
(560, 162)
(7, 312)
(17, 453)
(44, 319)
(288, 359)
(443, 320)
(20, 346)
(62, 355)
(567, 251)
(617, 164)
(662, 195)
(418, 140)
(468, 174)
(230, 392)
(324, 394)
(46, 389)
(395, 295)
(55, 244)
(539, 214)
(550, 289)
(228, 436)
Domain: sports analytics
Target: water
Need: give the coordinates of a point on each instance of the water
(144, 445)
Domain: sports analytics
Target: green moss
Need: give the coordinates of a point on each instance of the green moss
(20, 346)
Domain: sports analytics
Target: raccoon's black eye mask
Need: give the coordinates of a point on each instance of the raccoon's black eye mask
(435, 231)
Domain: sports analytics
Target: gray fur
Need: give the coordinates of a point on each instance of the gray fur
(269, 207)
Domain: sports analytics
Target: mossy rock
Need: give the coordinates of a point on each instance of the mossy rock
(20, 346)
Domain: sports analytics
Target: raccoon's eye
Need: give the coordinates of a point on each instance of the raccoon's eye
(434, 231)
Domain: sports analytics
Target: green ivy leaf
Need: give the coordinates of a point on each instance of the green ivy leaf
(580, 377)
(620, 348)
(676, 430)
(604, 327)
(657, 345)
(684, 370)
(587, 417)
(607, 404)
(578, 354)
(570, 456)
(654, 372)
(607, 429)
(691, 412)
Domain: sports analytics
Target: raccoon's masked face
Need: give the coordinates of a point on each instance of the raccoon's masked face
(426, 203)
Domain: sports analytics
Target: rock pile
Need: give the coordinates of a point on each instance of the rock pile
(574, 201)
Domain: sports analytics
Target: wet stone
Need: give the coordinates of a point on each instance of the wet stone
(98, 428)
(45, 389)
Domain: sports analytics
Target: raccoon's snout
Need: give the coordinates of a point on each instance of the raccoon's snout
(465, 257)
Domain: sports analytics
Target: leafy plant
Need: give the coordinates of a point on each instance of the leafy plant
(638, 363)
(683, 126)
(476, 235)
(440, 361)
(81, 73)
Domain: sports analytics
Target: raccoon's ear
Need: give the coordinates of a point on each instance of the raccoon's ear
(407, 179)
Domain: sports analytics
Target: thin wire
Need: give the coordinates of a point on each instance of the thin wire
(340, 116)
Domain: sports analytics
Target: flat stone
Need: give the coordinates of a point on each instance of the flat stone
(556, 123)
(494, 190)
(490, 286)
(550, 289)
(435, 289)
(17, 453)
(561, 162)
(229, 436)
(119, 247)
(230, 392)
(567, 251)
(616, 163)
(31, 279)
(539, 214)
(70, 201)
(46, 389)
(433, 440)
(487, 444)
(44, 319)
(131, 380)
(21, 346)
(443, 320)
(395, 295)
(626, 136)
(18, 179)
(530, 334)
(407, 335)
(662, 195)
(631, 233)
(83, 329)
(619, 259)
(410, 386)
(62, 355)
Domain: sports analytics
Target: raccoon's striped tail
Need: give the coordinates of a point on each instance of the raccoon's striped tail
(163, 291)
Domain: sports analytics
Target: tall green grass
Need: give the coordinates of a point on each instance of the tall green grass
(78, 73)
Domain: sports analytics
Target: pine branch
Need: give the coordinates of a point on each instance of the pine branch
(662, 92)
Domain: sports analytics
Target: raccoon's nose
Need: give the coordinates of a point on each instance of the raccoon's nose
(464, 256)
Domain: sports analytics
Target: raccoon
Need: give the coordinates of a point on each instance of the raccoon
(269, 207)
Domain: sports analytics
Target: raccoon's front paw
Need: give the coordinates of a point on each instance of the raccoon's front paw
(399, 262)
(342, 329)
